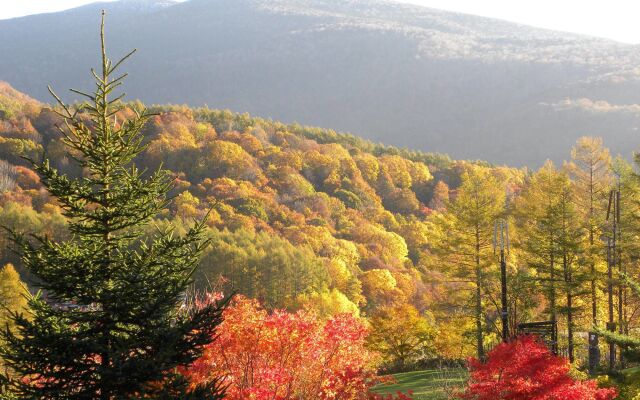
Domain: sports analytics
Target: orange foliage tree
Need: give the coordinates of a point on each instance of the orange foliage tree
(282, 355)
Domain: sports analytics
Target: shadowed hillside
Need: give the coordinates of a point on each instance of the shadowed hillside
(414, 77)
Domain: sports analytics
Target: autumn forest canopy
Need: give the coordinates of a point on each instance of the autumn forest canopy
(163, 251)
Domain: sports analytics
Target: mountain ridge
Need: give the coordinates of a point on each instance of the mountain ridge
(468, 86)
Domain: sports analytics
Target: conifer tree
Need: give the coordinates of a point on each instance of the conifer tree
(127, 336)
(13, 298)
(550, 241)
(468, 237)
(13, 294)
(630, 344)
(630, 248)
(569, 247)
(536, 212)
(590, 171)
(629, 225)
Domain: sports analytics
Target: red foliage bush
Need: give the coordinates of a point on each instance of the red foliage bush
(282, 355)
(525, 369)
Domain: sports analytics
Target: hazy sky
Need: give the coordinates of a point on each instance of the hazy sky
(19, 8)
(614, 19)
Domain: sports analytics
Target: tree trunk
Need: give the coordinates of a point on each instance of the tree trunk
(568, 279)
(479, 340)
(552, 298)
(594, 300)
(570, 325)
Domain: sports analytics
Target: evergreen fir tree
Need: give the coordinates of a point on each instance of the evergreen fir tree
(129, 338)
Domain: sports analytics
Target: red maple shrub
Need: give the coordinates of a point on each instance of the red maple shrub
(525, 369)
(281, 355)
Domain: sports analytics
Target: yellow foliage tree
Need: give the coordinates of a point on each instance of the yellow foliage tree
(13, 296)
(401, 334)
(465, 245)
(590, 170)
(328, 303)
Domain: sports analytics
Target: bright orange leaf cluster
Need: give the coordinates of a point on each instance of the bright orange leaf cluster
(525, 369)
(282, 355)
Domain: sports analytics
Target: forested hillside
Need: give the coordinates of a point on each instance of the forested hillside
(299, 216)
(307, 218)
(404, 75)
(176, 251)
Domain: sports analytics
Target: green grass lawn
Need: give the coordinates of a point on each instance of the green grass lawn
(428, 384)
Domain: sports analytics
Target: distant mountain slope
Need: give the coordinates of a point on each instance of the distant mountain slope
(469, 86)
(298, 216)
